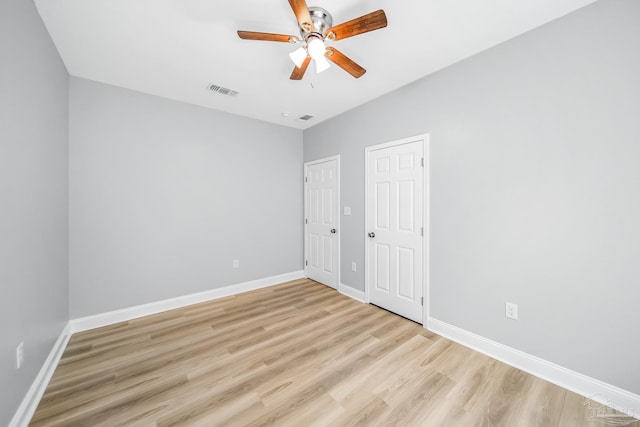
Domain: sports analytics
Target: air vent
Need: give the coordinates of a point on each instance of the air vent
(222, 90)
(306, 117)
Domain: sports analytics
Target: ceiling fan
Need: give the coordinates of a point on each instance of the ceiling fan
(316, 26)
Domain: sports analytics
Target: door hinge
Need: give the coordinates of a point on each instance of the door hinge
(306, 262)
(421, 300)
(306, 179)
(422, 162)
(306, 221)
(422, 231)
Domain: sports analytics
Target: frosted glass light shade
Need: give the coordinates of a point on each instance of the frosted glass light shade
(322, 64)
(316, 48)
(298, 56)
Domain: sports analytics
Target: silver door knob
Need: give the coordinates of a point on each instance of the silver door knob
(333, 231)
(372, 234)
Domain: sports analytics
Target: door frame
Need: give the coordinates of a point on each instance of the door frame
(305, 213)
(425, 217)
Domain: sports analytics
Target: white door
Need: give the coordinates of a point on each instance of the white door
(395, 226)
(322, 243)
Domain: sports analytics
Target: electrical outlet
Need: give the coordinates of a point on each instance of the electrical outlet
(236, 263)
(511, 310)
(19, 355)
(353, 266)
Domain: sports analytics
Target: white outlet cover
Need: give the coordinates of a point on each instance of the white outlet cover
(353, 266)
(236, 263)
(511, 310)
(347, 210)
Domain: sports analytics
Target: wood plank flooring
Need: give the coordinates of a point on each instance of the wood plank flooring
(296, 354)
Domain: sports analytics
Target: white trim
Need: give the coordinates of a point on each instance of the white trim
(29, 404)
(599, 391)
(351, 292)
(338, 214)
(426, 206)
(365, 235)
(109, 318)
(425, 216)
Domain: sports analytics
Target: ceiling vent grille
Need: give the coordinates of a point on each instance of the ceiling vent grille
(306, 117)
(222, 90)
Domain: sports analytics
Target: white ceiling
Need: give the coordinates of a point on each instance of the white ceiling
(176, 48)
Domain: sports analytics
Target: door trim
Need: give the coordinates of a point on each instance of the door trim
(338, 205)
(425, 217)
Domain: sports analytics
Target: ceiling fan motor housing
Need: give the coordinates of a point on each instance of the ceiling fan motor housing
(322, 21)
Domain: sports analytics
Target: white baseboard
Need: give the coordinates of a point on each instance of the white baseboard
(351, 292)
(125, 314)
(596, 390)
(29, 404)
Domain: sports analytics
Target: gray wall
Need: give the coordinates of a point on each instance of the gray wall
(535, 173)
(33, 198)
(164, 195)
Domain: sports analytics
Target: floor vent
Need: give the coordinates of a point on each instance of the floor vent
(306, 117)
(222, 90)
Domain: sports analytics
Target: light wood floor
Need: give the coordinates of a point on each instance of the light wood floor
(296, 354)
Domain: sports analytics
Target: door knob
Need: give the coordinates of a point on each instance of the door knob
(372, 234)
(333, 231)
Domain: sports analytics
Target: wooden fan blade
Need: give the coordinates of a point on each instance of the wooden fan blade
(252, 35)
(344, 62)
(302, 14)
(369, 22)
(298, 73)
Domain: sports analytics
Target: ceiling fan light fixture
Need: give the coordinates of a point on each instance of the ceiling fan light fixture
(322, 64)
(316, 48)
(316, 26)
(298, 56)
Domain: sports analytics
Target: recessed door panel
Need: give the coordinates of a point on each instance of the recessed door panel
(406, 273)
(382, 205)
(314, 206)
(327, 206)
(327, 250)
(383, 267)
(315, 250)
(406, 161)
(383, 165)
(406, 206)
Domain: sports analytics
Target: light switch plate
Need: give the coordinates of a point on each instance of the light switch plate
(347, 210)
(511, 310)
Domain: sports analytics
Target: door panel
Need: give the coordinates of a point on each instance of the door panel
(383, 264)
(382, 205)
(395, 220)
(327, 247)
(406, 202)
(321, 217)
(315, 251)
(406, 279)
